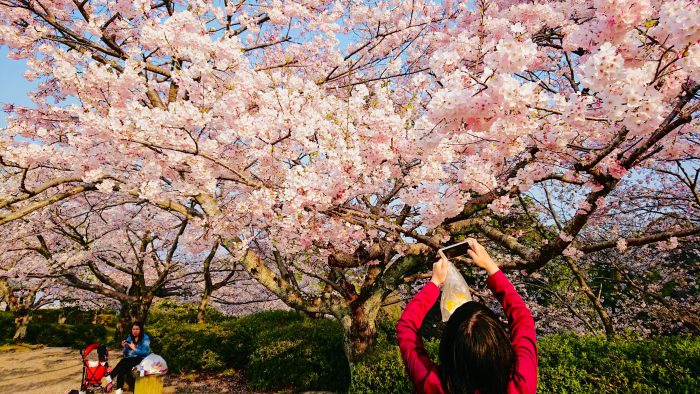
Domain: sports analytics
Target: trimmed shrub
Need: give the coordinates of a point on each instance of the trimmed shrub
(7, 327)
(191, 347)
(277, 349)
(301, 355)
(48, 316)
(592, 364)
(76, 336)
(383, 371)
(168, 311)
(106, 319)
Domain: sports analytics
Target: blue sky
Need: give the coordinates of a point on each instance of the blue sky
(13, 86)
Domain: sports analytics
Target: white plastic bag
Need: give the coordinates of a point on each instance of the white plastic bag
(455, 292)
(153, 364)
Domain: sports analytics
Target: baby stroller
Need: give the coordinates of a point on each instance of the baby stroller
(94, 371)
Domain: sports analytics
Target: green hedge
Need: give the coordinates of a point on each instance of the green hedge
(277, 349)
(189, 347)
(298, 353)
(7, 327)
(70, 335)
(74, 316)
(43, 329)
(169, 312)
(227, 344)
(570, 364)
(383, 371)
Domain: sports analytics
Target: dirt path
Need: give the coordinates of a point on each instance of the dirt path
(58, 370)
(47, 370)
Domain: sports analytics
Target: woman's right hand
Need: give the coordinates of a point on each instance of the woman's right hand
(481, 257)
(124, 343)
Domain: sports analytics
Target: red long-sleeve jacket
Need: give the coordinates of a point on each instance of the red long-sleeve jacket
(425, 374)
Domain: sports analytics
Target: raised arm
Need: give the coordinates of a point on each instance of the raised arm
(520, 321)
(522, 330)
(418, 364)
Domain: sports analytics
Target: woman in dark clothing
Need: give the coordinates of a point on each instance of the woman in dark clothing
(136, 347)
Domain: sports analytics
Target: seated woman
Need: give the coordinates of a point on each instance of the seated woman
(136, 347)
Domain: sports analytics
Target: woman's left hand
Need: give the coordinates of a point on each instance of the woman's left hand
(439, 272)
(132, 346)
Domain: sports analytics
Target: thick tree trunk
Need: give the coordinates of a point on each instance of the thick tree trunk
(124, 321)
(21, 324)
(361, 328)
(128, 314)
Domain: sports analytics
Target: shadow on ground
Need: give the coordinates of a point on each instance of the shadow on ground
(58, 370)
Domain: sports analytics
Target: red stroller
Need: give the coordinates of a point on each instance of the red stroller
(94, 371)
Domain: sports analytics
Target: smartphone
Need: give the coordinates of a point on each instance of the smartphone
(455, 250)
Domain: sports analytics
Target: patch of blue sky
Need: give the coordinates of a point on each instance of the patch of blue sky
(14, 88)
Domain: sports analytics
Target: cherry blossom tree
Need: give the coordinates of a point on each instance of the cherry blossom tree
(24, 297)
(346, 141)
(113, 248)
(647, 290)
(223, 284)
(21, 289)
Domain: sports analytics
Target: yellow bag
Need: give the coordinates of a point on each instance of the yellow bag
(455, 292)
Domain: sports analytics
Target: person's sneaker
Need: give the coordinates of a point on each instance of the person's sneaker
(108, 389)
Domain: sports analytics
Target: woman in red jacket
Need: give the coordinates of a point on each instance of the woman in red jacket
(476, 353)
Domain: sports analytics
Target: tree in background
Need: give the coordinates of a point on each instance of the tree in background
(23, 297)
(110, 247)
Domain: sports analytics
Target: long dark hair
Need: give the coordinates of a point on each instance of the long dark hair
(475, 352)
(141, 332)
